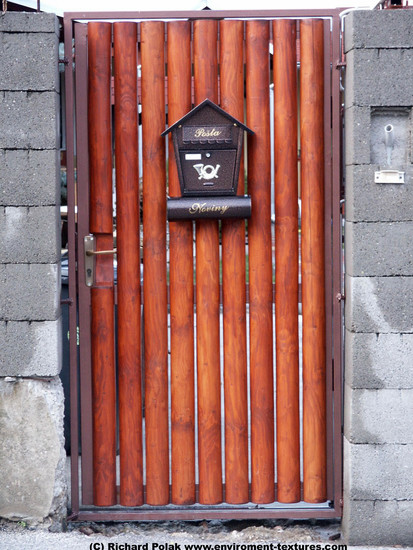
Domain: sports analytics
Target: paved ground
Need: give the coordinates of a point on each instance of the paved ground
(174, 536)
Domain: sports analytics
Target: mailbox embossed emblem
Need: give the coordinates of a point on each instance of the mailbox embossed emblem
(208, 148)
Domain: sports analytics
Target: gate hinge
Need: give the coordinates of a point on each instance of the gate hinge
(68, 301)
(340, 297)
(340, 64)
(64, 60)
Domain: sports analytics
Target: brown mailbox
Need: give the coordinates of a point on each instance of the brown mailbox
(208, 148)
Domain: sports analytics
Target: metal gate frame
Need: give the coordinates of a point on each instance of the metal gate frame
(76, 131)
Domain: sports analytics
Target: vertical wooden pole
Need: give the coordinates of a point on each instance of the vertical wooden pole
(129, 299)
(260, 264)
(207, 294)
(233, 284)
(181, 283)
(154, 260)
(99, 126)
(102, 296)
(312, 242)
(286, 260)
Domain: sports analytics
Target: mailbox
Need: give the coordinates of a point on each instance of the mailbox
(208, 148)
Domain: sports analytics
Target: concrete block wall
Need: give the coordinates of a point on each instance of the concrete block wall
(378, 402)
(32, 458)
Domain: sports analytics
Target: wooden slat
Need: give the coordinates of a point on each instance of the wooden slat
(286, 260)
(99, 120)
(154, 259)
(102, 298)
(181, 283)
(313, 290)
(233, 285)
(207, 294)
(103, 389)
(260, 265)
(129, 299)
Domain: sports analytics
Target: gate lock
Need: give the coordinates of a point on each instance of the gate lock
(208, 150)
(90, 252)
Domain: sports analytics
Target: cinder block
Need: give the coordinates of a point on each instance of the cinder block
(30, 292)
(379, 304)
(30, 348)
(29, 62)
(357, 123)
(32, 455)
(372, 202)
(379, 360)
(19, 22)
(30, 235)
(379, 78)
(29, 178)
(377, 523)
(378, 29)
(379, 249)
(378, 472)
(378, 416)
(29, 120)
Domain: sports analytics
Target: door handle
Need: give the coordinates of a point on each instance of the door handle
(90, 252)
(98, 252)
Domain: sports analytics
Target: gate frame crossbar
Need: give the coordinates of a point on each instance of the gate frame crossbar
(332, 509)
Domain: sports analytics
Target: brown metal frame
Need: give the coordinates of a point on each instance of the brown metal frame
(76, 86)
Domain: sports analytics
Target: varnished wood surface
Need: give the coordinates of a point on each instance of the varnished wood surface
(207, 294)
(231, 97)
(104, 397)
(154, 259)
(312, 239)
(99, 127)
(181, 283)
(102, 295)
(233, 284)
(260, 264)
(286, 260)
(128, 272)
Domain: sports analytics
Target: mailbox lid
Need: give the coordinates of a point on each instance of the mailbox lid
(209, 172)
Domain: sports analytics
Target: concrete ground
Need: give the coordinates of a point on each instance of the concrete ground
(283, 535)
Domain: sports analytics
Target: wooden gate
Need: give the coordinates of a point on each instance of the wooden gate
(209, 368)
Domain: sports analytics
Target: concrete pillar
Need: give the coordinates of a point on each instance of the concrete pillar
(32, 458)
(378, 405)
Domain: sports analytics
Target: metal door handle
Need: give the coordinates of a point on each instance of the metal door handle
(89, 245)
(98, 252)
